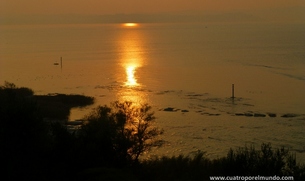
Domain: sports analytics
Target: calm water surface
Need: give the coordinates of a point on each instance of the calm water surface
(189, 67)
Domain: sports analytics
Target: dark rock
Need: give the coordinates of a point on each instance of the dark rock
(289, 115)
(272, 115)
(259, 115)
(214, 114)
(169, 109)
(248, 114)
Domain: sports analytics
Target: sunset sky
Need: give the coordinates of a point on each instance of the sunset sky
(15, 7)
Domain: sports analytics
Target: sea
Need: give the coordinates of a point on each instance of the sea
(187, 72)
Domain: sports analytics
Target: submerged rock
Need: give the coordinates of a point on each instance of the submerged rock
(259, 115)
(214, 114)
(248, 114)
(289, 115)
(170, 109)
(272, 115)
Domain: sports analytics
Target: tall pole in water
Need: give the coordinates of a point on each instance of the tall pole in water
(232, 91)
(60, 62)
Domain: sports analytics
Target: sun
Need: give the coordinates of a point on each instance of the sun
(130, 24)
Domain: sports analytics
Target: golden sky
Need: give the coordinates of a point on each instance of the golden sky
(15, 7)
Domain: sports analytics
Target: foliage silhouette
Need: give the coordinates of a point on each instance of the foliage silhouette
(245, 161)
(265, 161)
(118, 135)
(24, 137)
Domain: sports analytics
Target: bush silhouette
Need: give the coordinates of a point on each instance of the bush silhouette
(266, 161)
(245, 161)
(24, 137)
(118, 135)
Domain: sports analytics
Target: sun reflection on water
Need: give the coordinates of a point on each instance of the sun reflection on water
(131, 43)
(130, 72)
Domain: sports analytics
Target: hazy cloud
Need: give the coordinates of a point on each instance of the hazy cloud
(10, 7)
(99, 11)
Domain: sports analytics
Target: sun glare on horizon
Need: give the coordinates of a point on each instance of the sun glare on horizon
(130, 24)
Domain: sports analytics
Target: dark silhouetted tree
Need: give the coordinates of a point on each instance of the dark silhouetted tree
(119, 134)
(138, 127)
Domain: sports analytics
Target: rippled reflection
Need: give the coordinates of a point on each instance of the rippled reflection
(132, 55)
(131, 80)
(131, 46)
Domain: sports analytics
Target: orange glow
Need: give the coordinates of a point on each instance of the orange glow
(130, 24)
